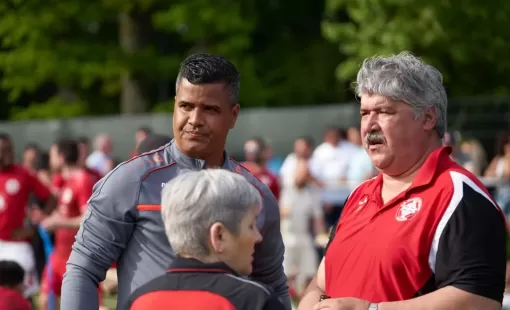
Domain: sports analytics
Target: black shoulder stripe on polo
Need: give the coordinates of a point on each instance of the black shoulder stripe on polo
(469, 251)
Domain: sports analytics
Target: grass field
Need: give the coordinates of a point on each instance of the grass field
(109, 301)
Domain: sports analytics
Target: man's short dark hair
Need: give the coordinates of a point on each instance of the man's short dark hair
(261, 142)
(83, 140)
(32, 146)
(502, 140)
(11, 274)
(43, 162)
(145, 130)
(308, 140)
(5, 137)
(69, 150)
(207, 69)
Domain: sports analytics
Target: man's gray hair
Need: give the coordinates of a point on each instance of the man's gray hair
(406, 78)
(195, 200)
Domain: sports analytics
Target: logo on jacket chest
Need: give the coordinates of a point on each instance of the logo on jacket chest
(408, 209)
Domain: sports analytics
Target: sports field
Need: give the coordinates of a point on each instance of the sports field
(109, 301)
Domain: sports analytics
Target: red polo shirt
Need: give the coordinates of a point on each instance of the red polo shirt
(445, 230)
(16, 185)
(265, 176)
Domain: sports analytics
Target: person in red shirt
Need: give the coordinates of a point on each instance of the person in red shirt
(16, 185)
(255, 154)
(12, 287)
(57, 181)
(65, 221)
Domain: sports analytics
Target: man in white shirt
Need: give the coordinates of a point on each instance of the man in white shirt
(100, 160)
(300, 206)
(360, 167)
(329, 164)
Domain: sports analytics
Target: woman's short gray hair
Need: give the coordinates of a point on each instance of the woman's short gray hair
(406, 78)
(195, 200)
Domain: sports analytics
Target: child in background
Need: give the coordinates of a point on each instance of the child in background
(11, 287)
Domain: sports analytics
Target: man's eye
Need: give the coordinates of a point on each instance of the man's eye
(211, 109)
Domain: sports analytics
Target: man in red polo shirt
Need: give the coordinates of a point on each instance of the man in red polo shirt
(65, 221)
(16, 185)
(57, 181)
(255, 154)
(424, 233)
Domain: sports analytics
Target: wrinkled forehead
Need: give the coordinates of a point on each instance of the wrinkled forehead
(374, 101)
(203, 94)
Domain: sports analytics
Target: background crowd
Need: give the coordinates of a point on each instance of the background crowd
(96, 71)
(311, 183)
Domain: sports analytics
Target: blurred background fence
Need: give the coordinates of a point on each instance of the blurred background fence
(480, 118)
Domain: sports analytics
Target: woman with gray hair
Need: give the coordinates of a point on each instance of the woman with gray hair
(210, 218)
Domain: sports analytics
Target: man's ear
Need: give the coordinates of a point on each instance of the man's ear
(430, 119)
(235, 114)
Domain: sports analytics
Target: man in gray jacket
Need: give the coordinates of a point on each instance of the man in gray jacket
(123, 221)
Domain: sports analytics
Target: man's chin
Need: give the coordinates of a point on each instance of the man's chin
(194, 148)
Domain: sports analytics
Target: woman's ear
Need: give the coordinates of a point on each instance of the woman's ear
(217, 237)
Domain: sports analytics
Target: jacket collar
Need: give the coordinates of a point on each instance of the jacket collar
(437, 161)
(193, 163)
(181, 264)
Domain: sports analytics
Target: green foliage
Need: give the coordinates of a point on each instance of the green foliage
(465, 40)
(164, 107)
(53, 108)
(74, 44)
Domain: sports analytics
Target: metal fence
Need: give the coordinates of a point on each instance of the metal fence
(482, 118)
(280, 125)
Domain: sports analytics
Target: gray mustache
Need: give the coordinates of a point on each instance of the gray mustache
(374, 137)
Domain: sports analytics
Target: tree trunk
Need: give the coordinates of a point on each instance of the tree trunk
(132, 97)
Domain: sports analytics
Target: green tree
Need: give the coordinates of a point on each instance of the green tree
(110, 56)
(466, 40)
(74, 44)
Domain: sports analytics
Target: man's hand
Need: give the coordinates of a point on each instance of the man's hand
(52, 222)
(342, 304)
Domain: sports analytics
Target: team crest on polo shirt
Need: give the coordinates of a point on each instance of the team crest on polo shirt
(362, 203)
(12, 186)
(408, 209)
(67, 196)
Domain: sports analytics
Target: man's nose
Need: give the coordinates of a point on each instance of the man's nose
(196, 118)
(371, 122)
(258, 237)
